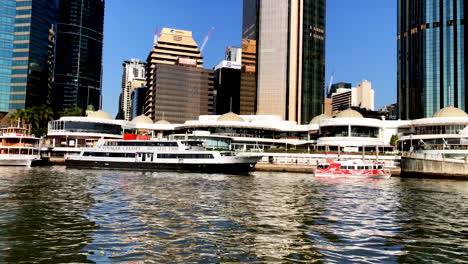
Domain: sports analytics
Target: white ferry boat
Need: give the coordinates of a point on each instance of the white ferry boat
(352, 169)
(18, 147)
(165, 155)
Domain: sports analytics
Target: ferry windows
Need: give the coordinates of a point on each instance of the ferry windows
(322, 166)
(109, 154)
(146, 144)
(185, 156)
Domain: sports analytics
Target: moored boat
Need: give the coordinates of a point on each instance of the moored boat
(353, 169)
(160, 155)
(18, 147)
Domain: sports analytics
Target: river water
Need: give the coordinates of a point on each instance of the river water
(50, 215)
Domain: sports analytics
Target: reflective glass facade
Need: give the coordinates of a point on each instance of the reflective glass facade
(7, 27)
(32, 64)
(78, 68)
(431, 60)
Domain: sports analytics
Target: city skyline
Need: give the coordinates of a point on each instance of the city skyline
(352, 50)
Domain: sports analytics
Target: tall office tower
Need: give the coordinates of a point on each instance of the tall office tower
(32, 58)
(248, 83)
(133, 76)
(7, 33)
(291, 58)
(431, 60)
(179, 89)
(227, 77)
(78, 69)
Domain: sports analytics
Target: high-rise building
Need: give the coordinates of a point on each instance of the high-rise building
(32, 57)
(179, 89)
(227, 77)
(290, 60)
(335, 87)
(138, 100)
(7, 33)
(133, 76)
(361, 96)
(78, 69)
(248, 83)
(431, 60)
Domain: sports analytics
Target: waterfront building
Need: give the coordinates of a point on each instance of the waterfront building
(133, 76)
(179, 88)
(78, 70)
(361, 96)
(431, 60)
(227, 77)
(32, 57)
(445, 131)
(248, 84)
(290, 58)
(69, 134)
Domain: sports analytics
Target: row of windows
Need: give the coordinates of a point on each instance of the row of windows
(185, 156)
(109, 154)
(142, 143)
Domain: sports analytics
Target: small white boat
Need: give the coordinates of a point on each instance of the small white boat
(353, 169)
(18, 147)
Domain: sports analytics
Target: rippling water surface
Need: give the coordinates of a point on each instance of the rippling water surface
(59, 215)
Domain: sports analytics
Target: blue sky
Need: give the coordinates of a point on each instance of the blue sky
(361, 38)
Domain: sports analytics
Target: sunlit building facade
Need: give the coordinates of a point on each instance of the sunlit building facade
(78, 70)
(291, 58)
(431, 61)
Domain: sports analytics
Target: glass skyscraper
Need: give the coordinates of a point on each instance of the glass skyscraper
(7, 28)
(431, 60)
(78, 67)
(32, 59)
(290, 57)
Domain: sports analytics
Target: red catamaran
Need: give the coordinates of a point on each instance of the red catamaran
(353, 169)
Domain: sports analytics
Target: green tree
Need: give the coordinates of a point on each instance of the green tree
(37, 116)
(74, 111)
(394, 140)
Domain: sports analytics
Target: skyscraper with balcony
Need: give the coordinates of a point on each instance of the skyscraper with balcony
(32, 55)
(431, 60)
(78, 70)
(290, 57)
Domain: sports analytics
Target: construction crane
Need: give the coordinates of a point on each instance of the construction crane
(206, 38)
(330, 84)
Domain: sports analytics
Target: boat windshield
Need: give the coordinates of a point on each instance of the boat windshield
(322, 166)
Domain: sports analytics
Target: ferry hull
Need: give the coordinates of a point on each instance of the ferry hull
(360, 176)
(17, 162)
(230, 168)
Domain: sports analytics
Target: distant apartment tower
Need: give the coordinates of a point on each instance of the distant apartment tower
(335, 87)
(361, 96)
(133, 76)
(179, 89)
(227, 78)
(431, 57)
(248, 83)
(290, 57)
(78, 70)
(26, 52)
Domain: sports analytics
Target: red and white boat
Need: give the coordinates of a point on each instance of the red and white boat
(352, 169)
